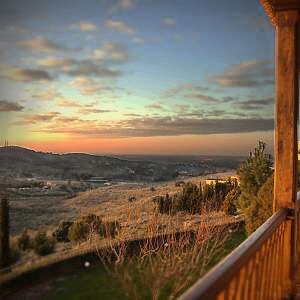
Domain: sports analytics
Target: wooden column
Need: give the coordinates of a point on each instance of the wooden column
(286, 81)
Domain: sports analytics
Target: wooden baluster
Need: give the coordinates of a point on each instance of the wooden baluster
(240, 283)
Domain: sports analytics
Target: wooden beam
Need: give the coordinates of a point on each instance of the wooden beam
(286, 81)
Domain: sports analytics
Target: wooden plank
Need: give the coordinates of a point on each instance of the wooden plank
(286, 79)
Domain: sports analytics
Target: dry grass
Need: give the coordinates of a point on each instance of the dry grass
(107, 202)
(165, 263)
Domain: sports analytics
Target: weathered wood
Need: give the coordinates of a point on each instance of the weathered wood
(286, 81)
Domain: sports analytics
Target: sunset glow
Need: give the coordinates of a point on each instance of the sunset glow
(158, 77)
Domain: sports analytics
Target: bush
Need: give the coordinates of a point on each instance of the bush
(14, 254)
(93, 221)
(230, 202)
(42, 244)
(79, 231)
(165, 205)
(61, 233)
(24, 241)
(131, 198)
(261, 206)
(193, 198)
(110, 229)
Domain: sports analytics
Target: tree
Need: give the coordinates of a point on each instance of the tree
(231, 200)
(253, 174)
(260, 208)
(4, 231)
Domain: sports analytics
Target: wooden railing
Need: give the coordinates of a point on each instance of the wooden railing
(260, 268)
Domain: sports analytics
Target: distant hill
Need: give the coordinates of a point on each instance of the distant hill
(20, 162)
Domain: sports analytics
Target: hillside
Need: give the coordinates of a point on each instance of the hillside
(20, 162)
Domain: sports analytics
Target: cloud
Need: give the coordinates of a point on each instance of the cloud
(122, 5)
(87, 86)
(87, 110)
(47, 95)
(63, 102)
(73, 67)
(138, 40)
(228, 99)
(8, 106)
(155, 106)
(37, 118)
(28, 75)
(56, 62)
(169, 21)
(254, 104)
(115, 52)
(88, 68)
(40, 43)
(120, 26)
(202, 97)
(162, 126)
(186, 86)
(251, 74)
(87, 26)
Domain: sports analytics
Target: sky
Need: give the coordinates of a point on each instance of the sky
(136, 76)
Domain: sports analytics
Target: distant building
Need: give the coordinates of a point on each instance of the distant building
(214, 181)
(221, 180)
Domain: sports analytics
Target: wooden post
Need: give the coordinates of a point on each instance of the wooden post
(286, 127)
(286, 80)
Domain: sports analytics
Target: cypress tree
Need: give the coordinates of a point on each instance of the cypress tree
(4, 231)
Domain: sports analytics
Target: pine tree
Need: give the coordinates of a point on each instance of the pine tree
(261, 206)
(4, 231)
(253, 174)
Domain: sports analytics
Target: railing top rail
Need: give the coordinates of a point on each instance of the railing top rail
(219, 277)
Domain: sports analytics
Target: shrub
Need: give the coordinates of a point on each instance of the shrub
(61, 233)
(24, 241)
(165, 205)
(110, 229)
(94, 222)
(131, 198)
(78, 231)
(189, 199)
(42, 244)
(14, 254)
(193, 198)
(261, 206)
(230, 202)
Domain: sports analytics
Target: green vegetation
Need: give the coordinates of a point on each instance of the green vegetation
(193, 198)
(256, 198)
(231, 201)
(78, 231)
(253, 174)
(260, 208)
(24, 241)
(43, 244)
(4, 231)
(84, 227)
